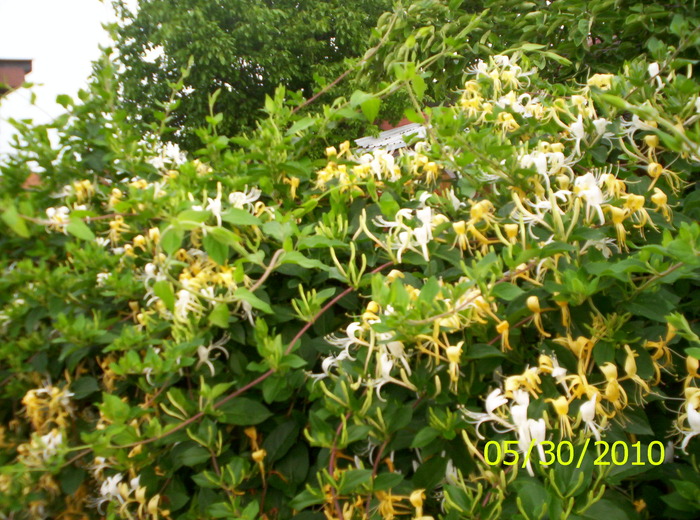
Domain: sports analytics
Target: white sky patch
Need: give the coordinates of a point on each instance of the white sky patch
(61, 37)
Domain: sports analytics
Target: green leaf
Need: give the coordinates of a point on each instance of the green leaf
(244, 294)
(430, 473)
(243, 411)
(300, 125)
(79, 229)
(532, 496)
(353, 479)
(84, 386)
(114, 408)
(215, 249)
(693, 351)
(386, 481)
(424, 437)
(280, 440)
(605, 509)
(295, 257)
(240, 217)
(507, 291)
(370, 108)
(680, 323)
(419, 86)
(219, 316)
(164, 291)
(190, 454)
(481, 351)
(12, 218)
(224, 236)
(171, 239)
(192, 219)
(305, 499)
(70, 479)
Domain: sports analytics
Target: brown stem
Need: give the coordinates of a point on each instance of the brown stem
(331, 468)
(340, 78)
(375, 468)
(268, 270)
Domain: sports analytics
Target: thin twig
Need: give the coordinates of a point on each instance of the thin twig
(268, 270)
(340, 78)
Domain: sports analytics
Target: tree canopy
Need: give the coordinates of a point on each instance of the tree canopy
(501, 320)
(245, 48)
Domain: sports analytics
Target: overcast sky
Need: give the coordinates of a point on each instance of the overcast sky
(61, 37)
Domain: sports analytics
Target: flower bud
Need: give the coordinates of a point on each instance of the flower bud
(259, 456)
(655, 170)
(533, 304)
(652, 141)
(511, 230)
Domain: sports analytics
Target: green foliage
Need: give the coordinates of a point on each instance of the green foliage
(243, 49)
(251, 331)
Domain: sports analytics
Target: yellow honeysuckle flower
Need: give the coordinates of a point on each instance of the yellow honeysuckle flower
(561, 407)
(502, 328)
(602, 81)
(533, 305)
(660, 199)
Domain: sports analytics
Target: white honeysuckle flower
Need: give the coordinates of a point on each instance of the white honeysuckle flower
(635, 125)
(99, 464)
(214, 205)
(51, 442)
(456, 203)
(579, 133)
(451, 473)
(493, 401)
(204, 353)
(521, 397)
(538, 432)
(148, 371)
(59, 218)
(109, 489)
(395, 348)
(518, 411)
(102, 241)
(529, 218)
(603, 245)
(423, 198)
(327, 364)
(600, 125)
(385, 365)
(102, 278)
(694, 423)
(586, 187)
(350, 339)
(587, 411)
(186, 304)
(168, 155)
(654, 72)
(248, 312)
(423, 236)
(398, 221)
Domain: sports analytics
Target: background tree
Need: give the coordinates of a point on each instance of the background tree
(243, 47)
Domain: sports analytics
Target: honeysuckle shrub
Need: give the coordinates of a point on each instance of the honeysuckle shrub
(260, 331)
